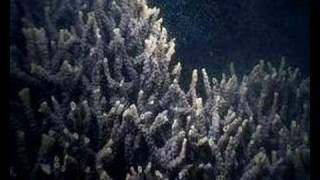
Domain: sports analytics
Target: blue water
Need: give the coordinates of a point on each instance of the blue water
(213, 33)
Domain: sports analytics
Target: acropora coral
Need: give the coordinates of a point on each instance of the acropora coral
(95, 94)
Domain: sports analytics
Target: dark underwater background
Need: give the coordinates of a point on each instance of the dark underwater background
(213, 33)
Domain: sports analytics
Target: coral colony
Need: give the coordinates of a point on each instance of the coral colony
(95, 95)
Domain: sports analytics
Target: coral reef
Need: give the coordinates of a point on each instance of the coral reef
(95, 94)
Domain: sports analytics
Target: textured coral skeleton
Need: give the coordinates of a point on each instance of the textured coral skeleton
(95, 94)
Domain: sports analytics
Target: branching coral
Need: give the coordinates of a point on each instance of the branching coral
(95, 95)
